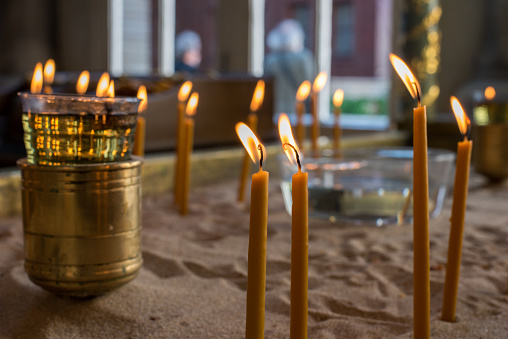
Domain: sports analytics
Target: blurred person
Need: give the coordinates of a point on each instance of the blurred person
(187, 52)
(288, 62)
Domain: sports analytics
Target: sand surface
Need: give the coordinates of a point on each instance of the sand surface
(193, 282)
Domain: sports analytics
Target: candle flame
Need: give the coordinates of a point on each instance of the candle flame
(192, 104)
(250, 141)
(286, 136)
(49, 72)
(144, 98)
(303, 91)
(406, 75)
(490, 93)
(462, 119)
(338, 98)
(82, 84)
(319, 82)
(102, 86)
(36, 86)
(111, 89)
(184, 91)
(258, 96)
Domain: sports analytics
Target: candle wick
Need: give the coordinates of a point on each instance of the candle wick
(260, 148)
(296, 152)
(417, 94)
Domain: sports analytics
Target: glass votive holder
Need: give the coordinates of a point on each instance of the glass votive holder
(70, 129)
(368, 186)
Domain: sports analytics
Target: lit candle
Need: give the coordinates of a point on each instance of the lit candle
(299, 235)
(301, 96)
(252, 122)
(338, 98)
(139, 136)
(82, 84)
(421, 256)
(256, 266)
(49, 75)
(317, 86)
(183, 95)
(36, 86)
(111, 89)
(103, 85)
(458, 214)
(187, 151)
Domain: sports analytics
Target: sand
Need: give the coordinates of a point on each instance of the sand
(193, 282)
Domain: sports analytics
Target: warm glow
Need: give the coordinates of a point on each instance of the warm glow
(460, 115)
(319, 82)
(258, 96)
(338, 98)
(286, 136)
(405, 74)
(144, 98)
(192, 104)
(102, 86)
(36, 86)
(184, 91)
(111, 89)
(82, 84)
(303, 91)
(250, 141)
(49, 72)
(490, 93)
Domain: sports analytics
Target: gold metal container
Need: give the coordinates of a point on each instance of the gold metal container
(82, 225)
(490, 150)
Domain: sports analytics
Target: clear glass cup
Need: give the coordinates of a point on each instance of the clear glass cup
(69, 129)
(368, 186)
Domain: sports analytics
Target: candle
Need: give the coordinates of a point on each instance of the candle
(458, 214)
(301, 96)
(252, 122)
(256, 266)
(421, 256)
(183, 95)
(49, 75)
(102, 85)
(338, 98)
(317, 86)
(36, 86)
(82, 83)
(187, 150)
(111, 89)
(299, 235)
(139, 136)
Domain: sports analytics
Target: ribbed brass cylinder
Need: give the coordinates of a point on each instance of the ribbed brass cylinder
(490, 150)
(82, 225)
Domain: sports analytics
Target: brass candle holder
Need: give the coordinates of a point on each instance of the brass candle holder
(81, 193)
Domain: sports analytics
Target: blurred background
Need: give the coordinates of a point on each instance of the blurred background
(455, 47)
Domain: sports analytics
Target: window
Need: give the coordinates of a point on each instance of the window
(344, 43)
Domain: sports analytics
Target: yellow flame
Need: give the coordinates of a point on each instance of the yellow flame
(460, 115)
(144, 98)
(49, 71)
(184, 91)
(319, 82)
(111, 89)
(405, 74)
(36, 86)
(102, 86)
(258, 96)
(338, 98)
(303, 91)
(490, 93)
(250, 142)
(286, 136)
(82, 84)
(192, 104)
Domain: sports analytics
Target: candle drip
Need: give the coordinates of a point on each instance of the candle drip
(260, 148)
(296, 152)
(417, 93)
